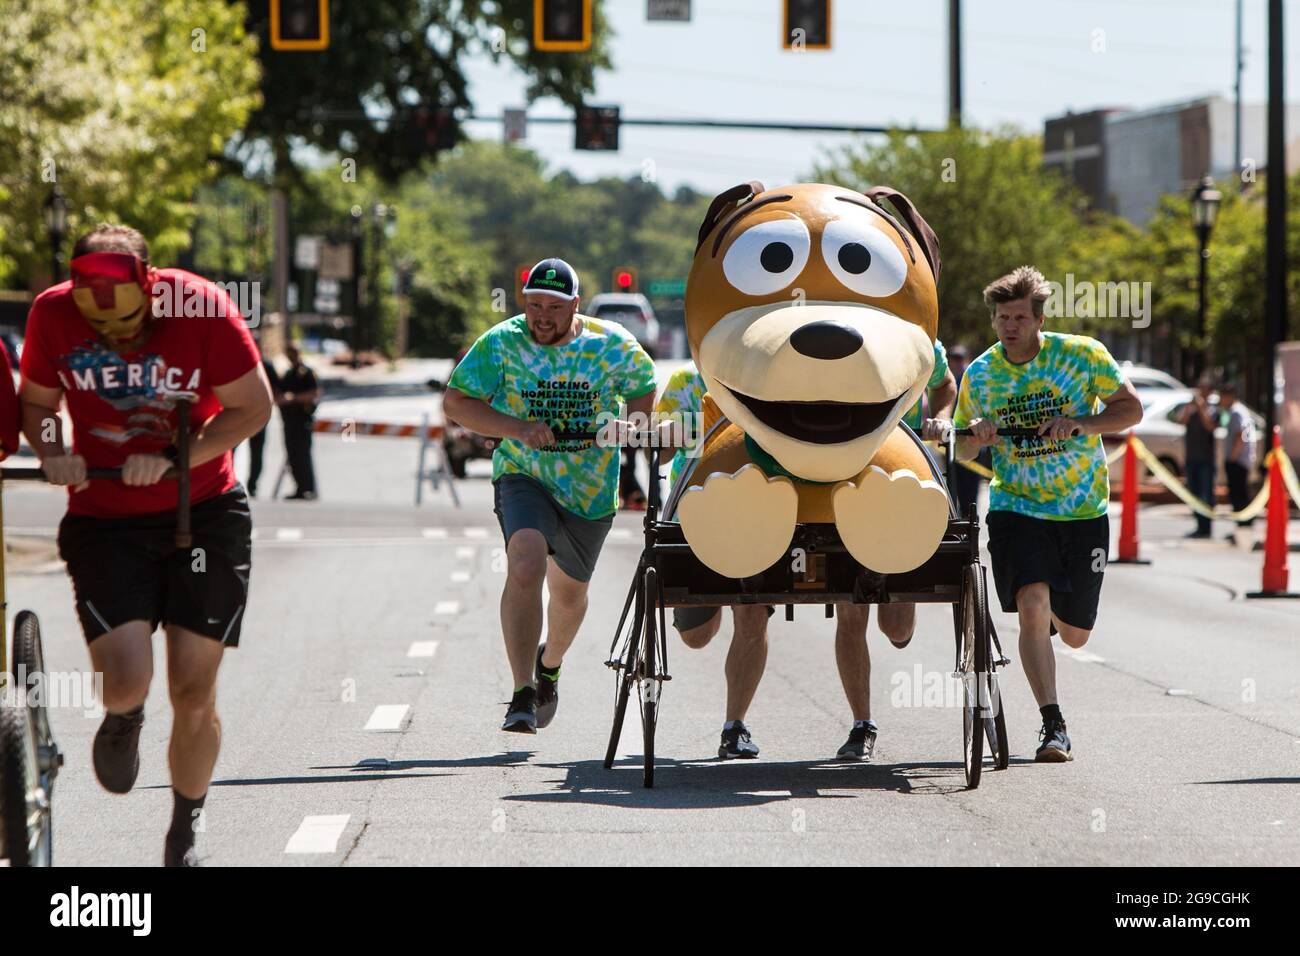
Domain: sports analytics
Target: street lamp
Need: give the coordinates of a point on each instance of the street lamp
(56, 224)
(1205, 201)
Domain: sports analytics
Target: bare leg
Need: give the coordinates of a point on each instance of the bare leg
(747, 657)
(852, 657)
(567, 608)
(125, 657)
(1035, 607)
(521, 602)
(192, 663)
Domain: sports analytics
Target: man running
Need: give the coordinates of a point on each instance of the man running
(682, 403)
(897, 621)
(550, 369)
(1049, 533)
(113, 342)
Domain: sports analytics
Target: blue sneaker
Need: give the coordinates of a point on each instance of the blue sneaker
(736, 743)
(521, 715)
(1055, 746)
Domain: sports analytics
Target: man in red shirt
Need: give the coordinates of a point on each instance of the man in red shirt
(113, 342)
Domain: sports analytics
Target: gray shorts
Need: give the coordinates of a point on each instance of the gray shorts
(574, 541)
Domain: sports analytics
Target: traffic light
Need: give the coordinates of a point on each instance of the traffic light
(596, 127)
(807, 25)
(521, 276)
(432, 130)
(300, 24)
(562, 25)
(625, 279)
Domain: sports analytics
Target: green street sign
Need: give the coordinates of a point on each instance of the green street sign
(668, 287)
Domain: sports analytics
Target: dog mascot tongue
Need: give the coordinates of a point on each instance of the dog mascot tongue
(811, 311)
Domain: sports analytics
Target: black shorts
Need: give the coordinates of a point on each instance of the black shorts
(129, 569)
(1069, 556)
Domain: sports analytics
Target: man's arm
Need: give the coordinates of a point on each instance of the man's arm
(1123, 410)
(478, 416)
(44, 430)
(942, 400)
(245, 409)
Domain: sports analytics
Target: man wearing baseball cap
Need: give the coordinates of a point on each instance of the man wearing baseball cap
(549, 370)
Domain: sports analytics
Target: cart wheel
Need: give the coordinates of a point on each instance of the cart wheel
(995, 726)
(973, 666)
(24, 816)
(648, 677)
(29, 656)
(624, 674)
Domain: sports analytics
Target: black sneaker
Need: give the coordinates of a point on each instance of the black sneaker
(116, 752)
(862, 740)
(521, 715)
(548, 691)
(1055, 746)
(736, 743)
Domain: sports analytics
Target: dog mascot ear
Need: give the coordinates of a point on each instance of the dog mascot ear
(724, 203)
(916, 224)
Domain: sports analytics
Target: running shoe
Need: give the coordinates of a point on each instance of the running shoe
(521, 715)
(548, 691)
(861, 742)
(1055, 746)
(736, 743)
(116, 751)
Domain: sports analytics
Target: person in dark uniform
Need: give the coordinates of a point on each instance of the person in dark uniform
(258, 442)
(299, 395)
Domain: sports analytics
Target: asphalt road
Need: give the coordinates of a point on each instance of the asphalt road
(361, 713)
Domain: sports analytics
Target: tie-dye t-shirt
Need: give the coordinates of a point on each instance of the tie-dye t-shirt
(566, 386)
(913, 416)
(1061, 480)
(683, 395)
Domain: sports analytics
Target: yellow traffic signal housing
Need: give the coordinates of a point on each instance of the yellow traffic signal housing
(562, 25)
(300, 24)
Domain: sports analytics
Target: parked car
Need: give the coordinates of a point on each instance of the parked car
(1161, 431)
(1145, 377)
(630, 310)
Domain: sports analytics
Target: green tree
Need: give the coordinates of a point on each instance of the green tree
(125, 104)
(987, 197)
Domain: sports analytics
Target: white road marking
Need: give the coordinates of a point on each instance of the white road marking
(1083, 657)
(438, 533)
(422, 649)
(387, 717)
(466, 552)
(318, 834)
(476, 532)
(459, 577)
(620, 534)
(1177, 692)
(288, 534)
(447, 607)
(253, 536)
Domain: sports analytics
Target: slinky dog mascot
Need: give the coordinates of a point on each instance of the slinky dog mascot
(811, 312)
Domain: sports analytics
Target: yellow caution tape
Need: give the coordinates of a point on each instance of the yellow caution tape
(1288, 478)
(1184, 494)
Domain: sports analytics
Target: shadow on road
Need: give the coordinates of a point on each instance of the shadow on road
(698, 784)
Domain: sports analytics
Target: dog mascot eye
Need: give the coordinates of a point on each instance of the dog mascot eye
(863, 258)
(767, 257)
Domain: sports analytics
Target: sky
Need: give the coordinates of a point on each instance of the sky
(1024, 61)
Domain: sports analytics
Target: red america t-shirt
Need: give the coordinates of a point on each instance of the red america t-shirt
(8, 407)
(116, 400)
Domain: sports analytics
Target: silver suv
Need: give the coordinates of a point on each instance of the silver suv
(630, 310)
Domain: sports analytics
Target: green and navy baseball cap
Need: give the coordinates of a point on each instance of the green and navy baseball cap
(553, 277)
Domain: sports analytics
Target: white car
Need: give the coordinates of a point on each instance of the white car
(630, 310)
(1145, 377)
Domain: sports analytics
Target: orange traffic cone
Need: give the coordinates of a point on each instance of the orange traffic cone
(1128, 519)
(1276, 573)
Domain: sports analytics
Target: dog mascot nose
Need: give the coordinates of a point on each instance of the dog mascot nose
(826, 340)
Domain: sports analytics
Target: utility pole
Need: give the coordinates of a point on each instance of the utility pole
(1275, 318)
(1236, 126)
(954, 63)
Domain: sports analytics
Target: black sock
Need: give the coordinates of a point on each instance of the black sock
(1051, 712)
(184, 816)
(550, 673)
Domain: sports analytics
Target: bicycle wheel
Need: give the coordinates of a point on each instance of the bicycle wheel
(22, 802)
(648, 679)
(973, 666)
(29, 660)
(995, 725)
(624, 675)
